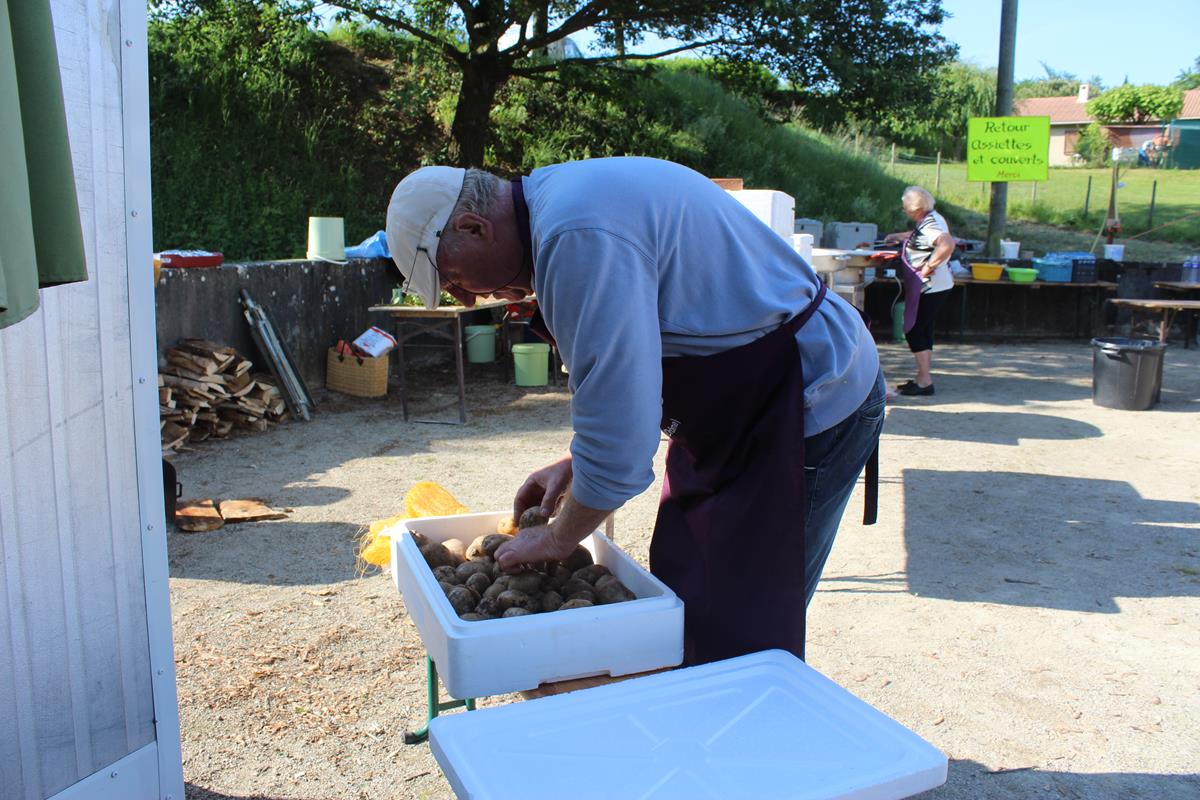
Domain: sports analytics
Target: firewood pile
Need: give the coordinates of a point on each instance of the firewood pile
(207, 390)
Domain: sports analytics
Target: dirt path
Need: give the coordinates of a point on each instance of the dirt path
(1029, 602)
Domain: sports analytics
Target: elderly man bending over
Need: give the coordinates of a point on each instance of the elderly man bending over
(675, 311)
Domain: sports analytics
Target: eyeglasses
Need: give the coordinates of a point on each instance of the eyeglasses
(443, 281)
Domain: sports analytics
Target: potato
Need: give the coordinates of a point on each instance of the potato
(456, 548)
(510, 598)
(420, 538)
(437, 556)
(560, 574)
(611, 590)
(447, 574)
(577, 603)
(469, 568)
(515, 611)
(478, 583)
(486, 545)
(532, 517)
(462, 599)
(471, 616)
(506, 526)
(580, 557)
(488, 607)
(585, 595)
(591, 573)
(493, 591)
(551, 601)
(446, 587)
(527, 582)
(574, 586)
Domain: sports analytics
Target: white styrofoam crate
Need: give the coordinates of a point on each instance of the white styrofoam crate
(476, 659)
(776, 209)
(765, 726)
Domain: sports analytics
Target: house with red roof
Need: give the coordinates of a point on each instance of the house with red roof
(1068, 117)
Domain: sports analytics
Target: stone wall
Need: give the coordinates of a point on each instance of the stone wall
(312, 304)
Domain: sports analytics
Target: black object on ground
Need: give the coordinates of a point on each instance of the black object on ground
(1126, 373)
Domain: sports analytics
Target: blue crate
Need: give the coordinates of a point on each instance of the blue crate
(1055, 270)
(1072, 255)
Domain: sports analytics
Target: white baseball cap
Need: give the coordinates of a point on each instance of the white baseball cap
(416, 215)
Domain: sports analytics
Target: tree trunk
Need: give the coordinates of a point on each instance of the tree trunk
(470, 132)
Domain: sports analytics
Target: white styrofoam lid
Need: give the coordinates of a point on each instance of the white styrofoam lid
(760, 726)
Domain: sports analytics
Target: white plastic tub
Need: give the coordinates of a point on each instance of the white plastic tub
(476, 659)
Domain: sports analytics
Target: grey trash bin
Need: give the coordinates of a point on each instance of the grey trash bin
(1126, 373)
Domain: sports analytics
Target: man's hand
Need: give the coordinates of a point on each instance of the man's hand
(553, 542)
(544, 488)
(532, 546)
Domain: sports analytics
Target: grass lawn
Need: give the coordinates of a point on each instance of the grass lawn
(1060, 199)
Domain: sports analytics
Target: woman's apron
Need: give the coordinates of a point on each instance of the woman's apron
(911, 281)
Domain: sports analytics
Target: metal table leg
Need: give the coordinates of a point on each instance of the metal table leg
(462, 378)
(400, 367)
(435, 704)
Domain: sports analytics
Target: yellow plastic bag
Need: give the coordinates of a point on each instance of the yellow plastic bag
(424, 499)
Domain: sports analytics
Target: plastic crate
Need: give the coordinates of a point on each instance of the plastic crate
(1084, 271)
(811, 226)
(1053, 270)
(848, 235)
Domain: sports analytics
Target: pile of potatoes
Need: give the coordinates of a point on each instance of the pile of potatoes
(478, 589)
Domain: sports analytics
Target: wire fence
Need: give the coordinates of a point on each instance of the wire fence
(1164, 200)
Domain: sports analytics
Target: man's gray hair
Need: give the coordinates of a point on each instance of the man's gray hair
(479, 192)
(916, 198)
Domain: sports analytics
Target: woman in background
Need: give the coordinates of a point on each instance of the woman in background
(930, 249)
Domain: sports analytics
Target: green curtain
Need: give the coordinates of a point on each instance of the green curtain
(41, 242)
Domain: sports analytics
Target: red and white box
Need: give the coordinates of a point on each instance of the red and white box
(375, 342)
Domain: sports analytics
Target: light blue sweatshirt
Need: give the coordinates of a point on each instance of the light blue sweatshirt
(637, 259)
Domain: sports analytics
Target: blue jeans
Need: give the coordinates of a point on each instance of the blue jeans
(833, 460)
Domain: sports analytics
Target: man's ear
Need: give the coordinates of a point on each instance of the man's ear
(473, 226)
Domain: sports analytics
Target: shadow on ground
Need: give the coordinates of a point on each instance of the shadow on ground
(971, 779)
(986, 427)
(1045, 541)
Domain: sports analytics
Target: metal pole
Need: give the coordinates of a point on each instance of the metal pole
(1087, 198)
(893, 156)
(1153, 192)
(937, 181)
(998, 211)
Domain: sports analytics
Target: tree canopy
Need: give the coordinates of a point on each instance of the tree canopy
(1056, 83)
(855, 55)
(1136, 104)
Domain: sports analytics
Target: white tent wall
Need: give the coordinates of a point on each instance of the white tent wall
(87, 679)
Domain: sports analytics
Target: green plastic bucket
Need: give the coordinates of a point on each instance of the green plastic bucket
(481, 343)
(532, 363)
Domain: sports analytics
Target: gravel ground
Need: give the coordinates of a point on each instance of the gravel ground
(1029, 601)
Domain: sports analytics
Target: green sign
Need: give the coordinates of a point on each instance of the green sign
(1003, 149)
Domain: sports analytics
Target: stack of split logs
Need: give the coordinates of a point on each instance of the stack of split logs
(207, 390)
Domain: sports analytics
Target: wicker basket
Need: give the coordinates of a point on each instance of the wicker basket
(361, 377)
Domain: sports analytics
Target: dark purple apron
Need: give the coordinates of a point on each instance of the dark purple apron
(911, 282)
(729, 539)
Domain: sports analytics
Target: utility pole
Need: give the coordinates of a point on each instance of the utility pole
(998, 211)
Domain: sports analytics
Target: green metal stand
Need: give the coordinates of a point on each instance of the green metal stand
(436, 706)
